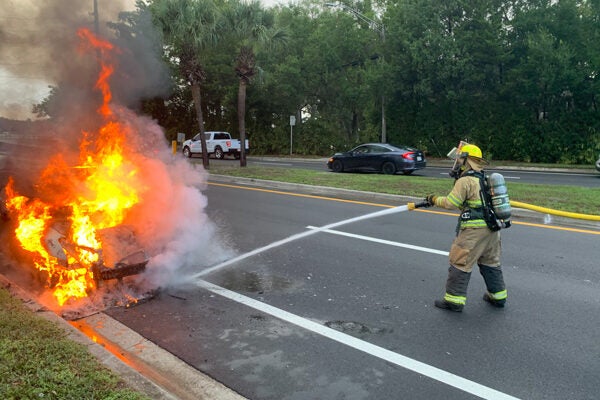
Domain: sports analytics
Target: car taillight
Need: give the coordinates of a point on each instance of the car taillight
(409, 156)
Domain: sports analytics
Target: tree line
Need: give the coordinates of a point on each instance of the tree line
(520, 78)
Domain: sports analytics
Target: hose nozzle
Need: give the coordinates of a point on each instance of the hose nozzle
(412, 206)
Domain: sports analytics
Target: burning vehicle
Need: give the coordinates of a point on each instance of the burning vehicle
(74, 228)
(100, 212)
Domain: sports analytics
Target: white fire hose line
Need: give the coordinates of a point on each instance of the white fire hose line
(437, 374)
(297, 236)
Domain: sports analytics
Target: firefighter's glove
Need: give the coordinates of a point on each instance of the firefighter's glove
(430, 200)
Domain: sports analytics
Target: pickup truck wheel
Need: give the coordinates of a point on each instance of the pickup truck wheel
(219, 153)
(186, 152)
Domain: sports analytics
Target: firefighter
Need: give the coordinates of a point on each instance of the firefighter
(474, 242)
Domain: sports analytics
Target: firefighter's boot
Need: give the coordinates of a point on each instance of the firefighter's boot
(456, 290)
(494, 281)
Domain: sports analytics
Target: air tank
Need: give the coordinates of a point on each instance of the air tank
(499, 195)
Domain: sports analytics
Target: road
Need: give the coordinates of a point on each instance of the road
(435, 170)
(346, 313)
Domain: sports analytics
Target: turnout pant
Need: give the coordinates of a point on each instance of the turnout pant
(475, 246)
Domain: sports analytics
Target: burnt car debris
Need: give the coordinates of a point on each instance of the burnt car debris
(119, 257)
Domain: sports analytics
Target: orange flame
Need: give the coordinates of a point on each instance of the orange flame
(62, 234)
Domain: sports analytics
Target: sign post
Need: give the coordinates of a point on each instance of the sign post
(292, 123)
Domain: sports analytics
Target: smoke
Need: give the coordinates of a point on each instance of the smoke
(39, 48)
(169, 222)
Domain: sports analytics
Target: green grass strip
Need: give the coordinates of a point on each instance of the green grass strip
(38, 361)
(559, 197)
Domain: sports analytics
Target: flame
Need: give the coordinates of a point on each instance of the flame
(61, 234)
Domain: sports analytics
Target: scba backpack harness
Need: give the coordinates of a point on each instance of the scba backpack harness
(496, 210)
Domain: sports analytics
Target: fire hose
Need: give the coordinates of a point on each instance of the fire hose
(545, 210)
(532, 207)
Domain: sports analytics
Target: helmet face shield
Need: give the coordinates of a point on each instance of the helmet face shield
(459, 155)
(459, 158)
(456, 152)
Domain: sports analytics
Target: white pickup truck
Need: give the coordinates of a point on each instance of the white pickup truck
(218, 143)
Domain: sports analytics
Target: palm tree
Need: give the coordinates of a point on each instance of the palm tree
(252, 29)
(188, 27)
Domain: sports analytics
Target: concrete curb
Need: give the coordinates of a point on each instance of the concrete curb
(157, 373)
(144, 366)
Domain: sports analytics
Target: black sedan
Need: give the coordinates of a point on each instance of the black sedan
(378, 157)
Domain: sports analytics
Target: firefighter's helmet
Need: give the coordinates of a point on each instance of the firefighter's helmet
(471, 151)
(462, 154)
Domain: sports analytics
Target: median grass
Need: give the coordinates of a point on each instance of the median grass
(559, 197)
(38, 361)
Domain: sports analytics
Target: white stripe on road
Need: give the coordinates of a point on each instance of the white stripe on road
(382, 241)
(505, 177)
(298, 236)
(437, 374)
(366, 347)
(272, 163)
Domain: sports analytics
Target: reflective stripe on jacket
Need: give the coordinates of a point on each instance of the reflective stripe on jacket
(465, 197)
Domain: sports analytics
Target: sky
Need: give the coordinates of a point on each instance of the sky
(34, 36)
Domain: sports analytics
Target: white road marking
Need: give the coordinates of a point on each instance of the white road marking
(272, 163)
(505, 177)
(296, 237)
(366, 347)
(437, 374)
(382, 241)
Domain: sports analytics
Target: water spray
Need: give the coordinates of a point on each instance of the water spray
(393, 210)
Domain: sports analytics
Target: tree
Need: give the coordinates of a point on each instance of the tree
(188, 27)
(44, 108)
(252, 29)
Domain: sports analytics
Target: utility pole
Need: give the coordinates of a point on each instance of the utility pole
(96, 22)
(380, 28)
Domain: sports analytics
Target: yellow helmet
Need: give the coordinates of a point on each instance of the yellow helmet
(471, 150)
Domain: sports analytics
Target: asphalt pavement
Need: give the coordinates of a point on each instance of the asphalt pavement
(156, 372)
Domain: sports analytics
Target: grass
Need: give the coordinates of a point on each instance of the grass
(565, 198)
(38, 361)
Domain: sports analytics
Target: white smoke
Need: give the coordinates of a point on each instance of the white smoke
(170, 221)
(38, 44)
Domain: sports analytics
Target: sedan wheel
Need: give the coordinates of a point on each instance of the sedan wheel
(337, 166)
(388, 168)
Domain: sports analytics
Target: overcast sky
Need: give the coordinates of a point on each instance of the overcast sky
(32, 35)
